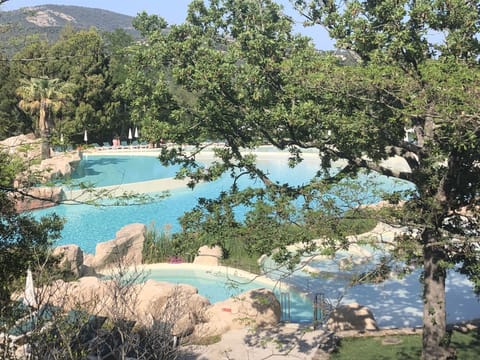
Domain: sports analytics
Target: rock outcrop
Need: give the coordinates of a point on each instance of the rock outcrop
(152, 302)
(257, 307)
(209, 255)
(30, 196)
(179, 304)
(126, 248)
(58, 167)
(38, 198)
(71, 258)
(26, 146)
(351, 317)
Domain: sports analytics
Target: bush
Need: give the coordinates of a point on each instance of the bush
(158, 245)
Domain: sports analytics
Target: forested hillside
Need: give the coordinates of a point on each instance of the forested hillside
(47, 21)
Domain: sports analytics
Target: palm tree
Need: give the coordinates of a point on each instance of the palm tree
(45, 96)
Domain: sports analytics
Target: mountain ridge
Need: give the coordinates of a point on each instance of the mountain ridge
(49, 20)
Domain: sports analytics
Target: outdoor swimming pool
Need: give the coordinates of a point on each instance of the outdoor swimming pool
(88, 225)
(227, 284)
(394, 302)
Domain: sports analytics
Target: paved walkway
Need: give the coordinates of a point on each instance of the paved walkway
(288, 341)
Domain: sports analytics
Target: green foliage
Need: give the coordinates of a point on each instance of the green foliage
(148, 24)
(253, 82)
(93, 65)
(11, 120)
(418, 68)
(44, 98)
(210, 340)
(24, 241)
(157, 246)
(409, 347)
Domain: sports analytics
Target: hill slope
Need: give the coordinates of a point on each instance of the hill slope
(49, 20)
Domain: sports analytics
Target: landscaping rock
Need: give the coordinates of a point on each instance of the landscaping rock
(126, 248)
(26, 146)
(72, 258)
(179, 306)
(39, 198)
(257, 307)
(144, 303)
(58, 167)
(176, 304)
(209, 255)
(351, 317)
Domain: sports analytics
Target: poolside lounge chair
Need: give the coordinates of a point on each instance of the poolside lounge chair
(135, 144)
(58, 149)
(32, 321)
(106, 145)
(124, 145)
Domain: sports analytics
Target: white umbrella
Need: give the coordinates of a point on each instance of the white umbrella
(29, 296)
(130, 134)
(61, 138)
(136, 132)
(85, 136)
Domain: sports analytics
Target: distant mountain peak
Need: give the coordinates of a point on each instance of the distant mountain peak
(44, 17)
(47, 21)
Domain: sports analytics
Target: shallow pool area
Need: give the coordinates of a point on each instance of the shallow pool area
(220, 283)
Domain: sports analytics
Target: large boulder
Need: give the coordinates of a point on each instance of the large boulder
(59, 166)
(39, 198)
(351, 317)
(258, 307)
(30, 197)
(146, 303)
(177, 304)
(26, 146)
(209, 255)
(71, 258)
(85, 293)
(152, 302)
(126, 248)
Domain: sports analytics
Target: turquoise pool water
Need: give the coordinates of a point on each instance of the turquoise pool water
(115, 170)
(87, 225)
(219, 286)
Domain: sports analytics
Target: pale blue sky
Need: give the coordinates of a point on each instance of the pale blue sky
(173, 11)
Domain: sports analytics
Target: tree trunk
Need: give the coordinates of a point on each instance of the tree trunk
(44, 130)
(45, 144)
(434, 312)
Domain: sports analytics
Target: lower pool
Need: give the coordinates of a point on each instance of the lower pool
(218, 284)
